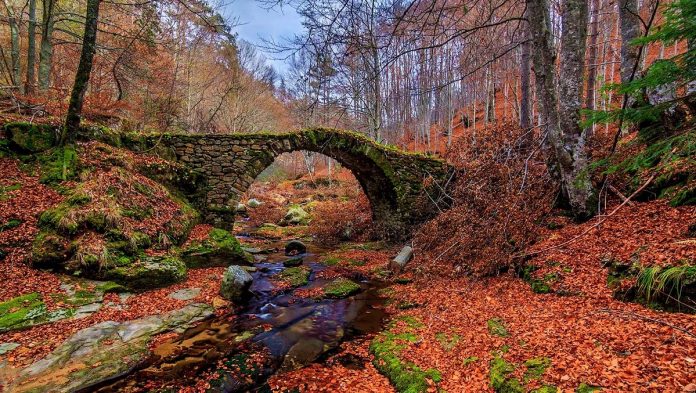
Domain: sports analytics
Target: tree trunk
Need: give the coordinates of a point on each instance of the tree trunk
(84, 68)
(561, 107)
(15, 74)
(46, 46)
(525, 82)
(592, 60)
(30, 83)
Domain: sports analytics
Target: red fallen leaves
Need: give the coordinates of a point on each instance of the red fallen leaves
(334, 376)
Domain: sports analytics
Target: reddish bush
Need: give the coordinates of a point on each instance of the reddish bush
(500, 192)
(334, 221)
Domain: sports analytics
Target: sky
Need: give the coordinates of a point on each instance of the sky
(257, 23)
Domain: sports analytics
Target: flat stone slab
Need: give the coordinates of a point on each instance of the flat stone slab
(104, 350)
(185, 294)
(7, 347)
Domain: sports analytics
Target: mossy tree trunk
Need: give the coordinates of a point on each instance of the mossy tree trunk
(561, 98)
(46, 46)
(84, 68)
(30, 82)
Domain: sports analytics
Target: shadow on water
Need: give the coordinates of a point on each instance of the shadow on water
(275, 331)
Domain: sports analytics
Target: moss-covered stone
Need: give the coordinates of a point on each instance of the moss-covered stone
(50, 249)
(149, 272)
(32, 138)
(387, 349)
(293, 262)
(340, 288)
(58, 164)
(295, 276)
(220, 248)
(295, 215)
(19, 312)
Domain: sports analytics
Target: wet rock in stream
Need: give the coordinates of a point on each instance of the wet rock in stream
(99, 352)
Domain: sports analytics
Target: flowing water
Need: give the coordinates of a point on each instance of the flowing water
(275, 331)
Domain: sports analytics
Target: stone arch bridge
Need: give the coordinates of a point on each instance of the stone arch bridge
(403, 188)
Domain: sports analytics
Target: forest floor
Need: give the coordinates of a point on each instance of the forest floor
(457, 334)
(577, 336)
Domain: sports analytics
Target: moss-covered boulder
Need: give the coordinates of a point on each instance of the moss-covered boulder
(50, 249)
(296, 215)
(149, 272)
(295, 276)
(32, 138)
(340, 288)
(220, 248)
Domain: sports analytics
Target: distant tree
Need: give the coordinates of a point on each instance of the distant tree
(84, 68)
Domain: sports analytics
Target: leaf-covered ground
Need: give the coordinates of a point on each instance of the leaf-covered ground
(580, 334)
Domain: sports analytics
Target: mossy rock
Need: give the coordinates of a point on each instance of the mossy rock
(296, 215)
(149, 272)
(295, 276)
(21, 311)
(50, 249)
(293, 262)
(220, 248)
(32, 138)
(10, 224)
(340, 288)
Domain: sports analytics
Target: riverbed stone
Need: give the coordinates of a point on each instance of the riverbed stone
(254, 203)
(185, 294)
(8, 347)
(235, 283)
(109, 349)
(295, 247)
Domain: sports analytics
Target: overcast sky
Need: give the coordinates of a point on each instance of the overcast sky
(257, 24)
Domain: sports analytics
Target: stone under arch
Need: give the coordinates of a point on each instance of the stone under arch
(404, 188)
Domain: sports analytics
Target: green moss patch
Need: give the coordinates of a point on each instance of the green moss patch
(586, 388)
(220, 248)
(447, 342)
(500, 379)
(340, 288)
(295, 276)
(496, 327)
(21, 311)
(387, 348)
(10, 224)
(536, 368)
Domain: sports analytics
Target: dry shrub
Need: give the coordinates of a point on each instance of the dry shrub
(334, 221)
(500, 193)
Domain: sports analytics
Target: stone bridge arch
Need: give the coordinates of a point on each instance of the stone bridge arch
(403, 188)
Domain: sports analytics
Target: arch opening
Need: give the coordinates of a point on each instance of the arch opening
(335, 201)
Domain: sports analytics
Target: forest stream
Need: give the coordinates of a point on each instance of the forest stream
(276, 330)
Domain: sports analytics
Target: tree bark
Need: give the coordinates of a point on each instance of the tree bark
(30, 83)
(84, 68)
(525, 82)
(46, 45)
(561, 107)
(592, 57)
